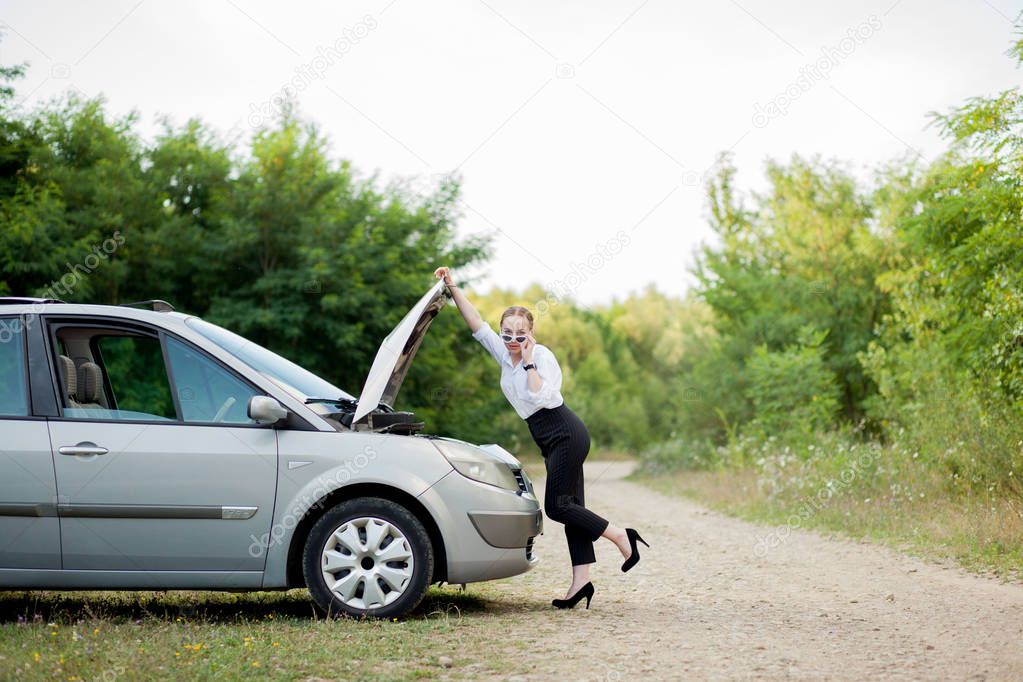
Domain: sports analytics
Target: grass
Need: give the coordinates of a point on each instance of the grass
(214, 635)
(907, 507)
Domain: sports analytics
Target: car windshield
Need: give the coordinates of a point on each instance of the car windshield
(293, 378)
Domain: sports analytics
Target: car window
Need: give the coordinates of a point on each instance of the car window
(137, 376)
(207, 392)
(13, 387)
(116, 375)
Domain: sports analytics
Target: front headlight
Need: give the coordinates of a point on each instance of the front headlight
(476, 464)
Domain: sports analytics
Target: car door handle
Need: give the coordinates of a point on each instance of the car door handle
(84, 448)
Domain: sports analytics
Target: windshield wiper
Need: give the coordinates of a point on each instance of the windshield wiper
(343, 402)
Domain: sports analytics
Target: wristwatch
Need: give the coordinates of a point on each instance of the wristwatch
(529, 366)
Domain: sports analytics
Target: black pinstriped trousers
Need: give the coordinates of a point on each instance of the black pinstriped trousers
(564, 443)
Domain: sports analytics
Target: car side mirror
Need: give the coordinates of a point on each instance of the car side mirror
(266, 410)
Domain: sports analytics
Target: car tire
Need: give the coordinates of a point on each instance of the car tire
(368, 557)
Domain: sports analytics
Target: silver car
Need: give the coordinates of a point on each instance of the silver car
(141, 448)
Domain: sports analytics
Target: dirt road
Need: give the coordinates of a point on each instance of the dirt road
(705, 603)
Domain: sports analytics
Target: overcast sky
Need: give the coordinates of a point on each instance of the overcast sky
(581, 129)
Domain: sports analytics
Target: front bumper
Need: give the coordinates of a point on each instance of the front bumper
(488, 532)
(507, 529)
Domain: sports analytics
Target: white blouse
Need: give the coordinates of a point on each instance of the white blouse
(514, 379)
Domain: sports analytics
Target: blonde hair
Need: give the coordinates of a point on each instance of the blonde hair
(517, 310)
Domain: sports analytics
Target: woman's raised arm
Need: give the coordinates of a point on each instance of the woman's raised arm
(468, 310)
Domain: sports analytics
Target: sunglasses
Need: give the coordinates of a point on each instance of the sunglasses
(507, 338)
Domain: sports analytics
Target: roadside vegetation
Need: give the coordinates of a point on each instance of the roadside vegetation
(876, 320)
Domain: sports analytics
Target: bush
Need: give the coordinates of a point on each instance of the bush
(794, 394)
(678, 453)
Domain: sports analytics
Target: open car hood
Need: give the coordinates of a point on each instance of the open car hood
(396, 352)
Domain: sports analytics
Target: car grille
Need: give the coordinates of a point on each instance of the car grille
(529, 549)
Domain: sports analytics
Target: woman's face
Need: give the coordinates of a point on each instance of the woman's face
(515, 326)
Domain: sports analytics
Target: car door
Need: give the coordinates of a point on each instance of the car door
(29, 528)
(158, 466)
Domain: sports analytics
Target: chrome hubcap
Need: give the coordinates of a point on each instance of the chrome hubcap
(367, 563)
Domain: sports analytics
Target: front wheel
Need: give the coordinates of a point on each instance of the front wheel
(368, 557)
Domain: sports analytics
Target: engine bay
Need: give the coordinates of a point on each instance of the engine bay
(382, 419)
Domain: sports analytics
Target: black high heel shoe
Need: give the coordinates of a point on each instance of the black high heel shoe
(584, 591)
(634, 557)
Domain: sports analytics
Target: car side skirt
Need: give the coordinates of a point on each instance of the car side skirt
(52, 579)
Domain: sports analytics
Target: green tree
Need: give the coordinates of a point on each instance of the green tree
(949, 357)
(804, 254)
(277, 241)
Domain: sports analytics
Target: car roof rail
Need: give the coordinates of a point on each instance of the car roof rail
(153, 304)
(26, 300)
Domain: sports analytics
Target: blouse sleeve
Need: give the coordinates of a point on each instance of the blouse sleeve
(550, 373)
(490, 340)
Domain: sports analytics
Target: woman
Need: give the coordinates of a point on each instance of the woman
(531, 380)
